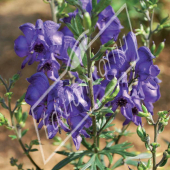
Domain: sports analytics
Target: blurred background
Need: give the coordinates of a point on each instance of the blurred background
(15, 13)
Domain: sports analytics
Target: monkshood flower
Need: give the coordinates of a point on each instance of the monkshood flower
(37, 40)
(151, 92)
(53, 120)
(116, 64)
(77, 117)
(110, 27)
(113, 29)
(137, 107)
(144, 66)
(124, 100)
(130, 47)
(50, 66)
(38, 85)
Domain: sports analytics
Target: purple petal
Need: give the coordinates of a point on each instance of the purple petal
(52, 130)
(38, 85)
(28, 29)
(130, 47)
(77, 141)
(21, 46)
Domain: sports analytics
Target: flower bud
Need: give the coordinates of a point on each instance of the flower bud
(111, 86)
(160, 48)
(149, 164)
(142, 114)
(140, 132)
(155, 145)
(87, 21)
(162, 113)
(18, 114)
(153, 48)
(24, 116)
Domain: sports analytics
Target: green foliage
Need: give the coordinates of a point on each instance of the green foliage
(14, 161)
(119, 149)
(70, 157)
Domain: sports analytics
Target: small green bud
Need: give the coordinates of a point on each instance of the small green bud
(153, 48)
(24, 116)
(13, 161)
(155, 145)
(141, 166)
(18, 114)
(149, 164)
(87, 21)
(9, 95)
(111, 86)
(152, 6)
(166, 25)
(142, 114)
(168, 150)
(143, 4)
(162, 113)
(140, 132)
(160, 48)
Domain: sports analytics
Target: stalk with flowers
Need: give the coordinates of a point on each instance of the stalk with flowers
(86, 103)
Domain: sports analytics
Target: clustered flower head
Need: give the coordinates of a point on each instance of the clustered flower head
(67, 105)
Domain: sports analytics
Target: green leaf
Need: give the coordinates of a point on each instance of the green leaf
(107, 135)
(119, 149)
(122, 161)
(163, 163)
(33, 150)
(79, 24)
(72, 156)
(35, 142)
(106, 110)
(99, 103)
(141, 156)
(131, 162)
(118, 163)
(98, 81)
(24, 132)
(89, 163)
(98, 163)
(109, 156)
(13, 136)
(83, 84)
(72, 29)
(164, 20)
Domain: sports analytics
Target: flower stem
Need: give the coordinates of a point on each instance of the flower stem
(154, 149)
(15, 128)
(53, 10)
(91, 93)
(150, 29)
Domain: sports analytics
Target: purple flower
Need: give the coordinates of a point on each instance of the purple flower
(50, 66)
(130, 47)
(137, 107)
(116, 64)
(37, 40)
(77, 117)
(144, 66)
(38, 85)
(151, 92)
(107, 32)
(123, 99)
(110, 27)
